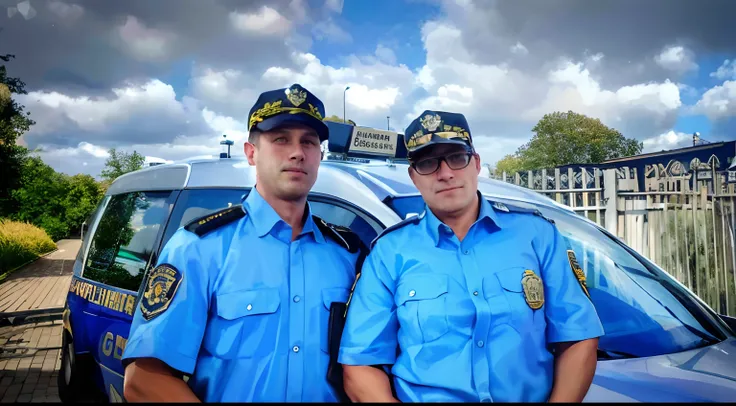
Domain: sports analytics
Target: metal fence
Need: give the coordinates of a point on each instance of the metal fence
(683, 221)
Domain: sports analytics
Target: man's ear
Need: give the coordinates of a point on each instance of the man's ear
(250, 152)
(477, 163)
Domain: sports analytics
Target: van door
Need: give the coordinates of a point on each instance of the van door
(102, 299)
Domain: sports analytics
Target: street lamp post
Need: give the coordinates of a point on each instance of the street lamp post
(344, 120)
(388, 123)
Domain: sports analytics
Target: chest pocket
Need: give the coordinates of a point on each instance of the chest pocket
(329, 296)
(421, 306)
(505, 295)
(246, 324)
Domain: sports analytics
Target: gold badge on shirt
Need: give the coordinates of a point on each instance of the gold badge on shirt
(533, 289)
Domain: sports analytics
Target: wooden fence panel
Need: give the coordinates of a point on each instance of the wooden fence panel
(684, 222)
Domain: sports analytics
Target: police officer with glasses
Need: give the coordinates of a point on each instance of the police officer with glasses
(470, 301)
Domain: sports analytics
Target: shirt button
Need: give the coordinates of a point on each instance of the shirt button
(480, 343)
(297, 299)
(295, 348)
(475, 293)
(249, 307)
(466, 252)
(412, 293)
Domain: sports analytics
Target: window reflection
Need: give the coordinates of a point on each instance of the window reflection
(125, 238)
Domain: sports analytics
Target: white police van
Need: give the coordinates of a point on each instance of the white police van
(662, 343)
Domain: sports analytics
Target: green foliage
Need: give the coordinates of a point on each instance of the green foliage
(13, 123)
(56, 202)
(509, 164)
(21, 242)
(120, 163)
(563, 138)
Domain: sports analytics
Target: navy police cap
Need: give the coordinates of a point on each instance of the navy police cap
(289, 105)
(437, 127)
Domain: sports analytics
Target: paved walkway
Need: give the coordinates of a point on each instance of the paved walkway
(30, 348)
(42, 284)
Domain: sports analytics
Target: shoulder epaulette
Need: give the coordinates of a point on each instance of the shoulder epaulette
(341, 235)
(506, 208)
(402, 223)
(205, 224)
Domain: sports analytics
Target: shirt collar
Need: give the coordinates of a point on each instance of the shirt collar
(437, 228)
(266, 220)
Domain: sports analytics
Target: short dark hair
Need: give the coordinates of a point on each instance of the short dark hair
(253, 136)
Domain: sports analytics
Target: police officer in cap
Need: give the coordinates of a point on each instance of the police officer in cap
(471, 300)
(237, 300)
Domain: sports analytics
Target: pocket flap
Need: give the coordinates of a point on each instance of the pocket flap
(330, 295)
(238, 304)
(510, 279)
(420, 287)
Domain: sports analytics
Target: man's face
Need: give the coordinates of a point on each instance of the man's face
(446, 191)
(287, 160)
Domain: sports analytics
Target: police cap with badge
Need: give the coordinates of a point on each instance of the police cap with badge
(437, 127)
(294, 104)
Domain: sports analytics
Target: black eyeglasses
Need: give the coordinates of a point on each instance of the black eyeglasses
(456, 161)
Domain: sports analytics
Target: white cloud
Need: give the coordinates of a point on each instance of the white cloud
(677, 58)
(67, 12)
(519, 49)
(726, 71)
(667, 141)
(94, 150)
(97, 114)
(385, 54)
(334, 5)
(143, 43)
(329, 30)
(718, 102)
(510, 100)
(266, 21)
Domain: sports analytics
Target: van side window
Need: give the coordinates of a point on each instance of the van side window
(124, 239)
(201, 202)
(366, 228)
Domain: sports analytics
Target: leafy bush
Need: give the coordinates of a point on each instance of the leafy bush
(21, 242)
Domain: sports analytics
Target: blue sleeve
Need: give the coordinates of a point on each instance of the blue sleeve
(370, 333)
(570, 314)
(169, 324)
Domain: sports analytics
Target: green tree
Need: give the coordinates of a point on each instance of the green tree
(40, 200)
(120, 163)
(509, 164)
(13, 123)
(82, 196)
(563, 138)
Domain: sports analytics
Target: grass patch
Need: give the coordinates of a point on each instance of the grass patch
(21, 243)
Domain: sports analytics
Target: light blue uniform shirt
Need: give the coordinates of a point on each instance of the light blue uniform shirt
(450, 318)
(249, 318)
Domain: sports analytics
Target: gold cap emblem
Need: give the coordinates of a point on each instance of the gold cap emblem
(296, 96)
(431, 122)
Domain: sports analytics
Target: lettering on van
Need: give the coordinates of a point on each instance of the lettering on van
(119, 302)
(113, 345)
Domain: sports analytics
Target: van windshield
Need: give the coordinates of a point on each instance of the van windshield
(640, 316)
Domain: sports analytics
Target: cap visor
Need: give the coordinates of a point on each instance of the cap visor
(438, 141)
(284, 119)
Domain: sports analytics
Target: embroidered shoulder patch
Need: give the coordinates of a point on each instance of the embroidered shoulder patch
(160, 290)
(578, 271)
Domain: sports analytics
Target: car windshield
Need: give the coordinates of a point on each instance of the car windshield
(640, 316)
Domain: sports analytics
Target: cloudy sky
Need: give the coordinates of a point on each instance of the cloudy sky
(168, 77)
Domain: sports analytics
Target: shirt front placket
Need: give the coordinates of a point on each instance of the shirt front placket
(469, 264)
